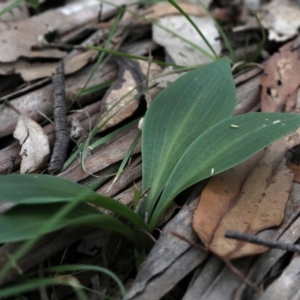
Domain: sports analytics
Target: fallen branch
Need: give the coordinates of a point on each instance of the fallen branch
(62, 137)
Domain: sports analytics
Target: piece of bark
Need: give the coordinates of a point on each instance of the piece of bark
(103, 157)
(225, 283)
(131, 173)
(204, 277)
(287, 285)
(163, 283)
(62, 136)
(167, 250)
(246, 75)
(248, 95)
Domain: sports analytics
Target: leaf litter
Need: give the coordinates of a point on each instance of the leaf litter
(248, 186)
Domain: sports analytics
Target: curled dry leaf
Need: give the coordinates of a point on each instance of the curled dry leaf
(35, 145)
(281, 80)
(248, 198)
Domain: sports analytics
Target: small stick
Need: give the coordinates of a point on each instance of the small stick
(180, 236)
(259, 241)
(61, 46)
(62, 137)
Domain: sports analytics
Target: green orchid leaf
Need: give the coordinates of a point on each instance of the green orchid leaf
(23, 222)
(223, 146)
(177, 116)
(43, 189)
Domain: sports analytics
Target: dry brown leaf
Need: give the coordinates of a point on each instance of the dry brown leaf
(122, 98)
(35, 145)
(281, 80)
(248, 198)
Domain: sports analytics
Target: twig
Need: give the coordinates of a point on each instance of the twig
(177, 234)
(61, 46)
(259, 241)
(60, 121)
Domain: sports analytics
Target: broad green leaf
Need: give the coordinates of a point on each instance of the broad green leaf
(23, 222)
(39, 189)
(223, 146)
(43, 189)
(177, 116)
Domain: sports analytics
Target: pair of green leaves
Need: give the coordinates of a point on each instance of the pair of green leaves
(190, 134)
(39, 198)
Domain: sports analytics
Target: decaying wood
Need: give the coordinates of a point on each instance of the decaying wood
(248, 95)
(169, 260)
(287, 285)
